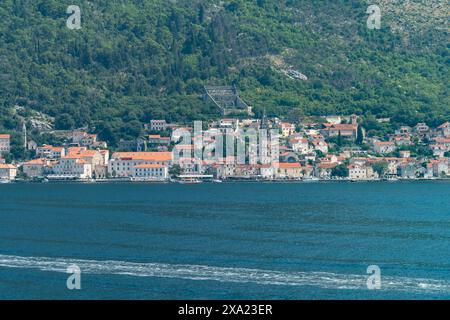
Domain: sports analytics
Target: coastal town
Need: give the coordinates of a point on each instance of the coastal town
(320, 149)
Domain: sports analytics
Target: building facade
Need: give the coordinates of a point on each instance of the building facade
(7, 172)
(122, 163)
(5, 144)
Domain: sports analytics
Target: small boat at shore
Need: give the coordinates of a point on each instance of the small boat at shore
(313, 179)
(189, 181)
(391, 179)
(3, 181)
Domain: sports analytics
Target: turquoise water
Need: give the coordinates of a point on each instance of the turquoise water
(225, 241)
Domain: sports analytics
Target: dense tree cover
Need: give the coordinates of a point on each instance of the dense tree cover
(340, 171)
(380, 168)
(135, 60)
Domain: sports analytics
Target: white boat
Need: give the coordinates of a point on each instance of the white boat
(217, 181)
(5, 181)
(313, 179)
(189, 181)
(392, 179)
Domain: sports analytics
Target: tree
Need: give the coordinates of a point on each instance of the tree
(64, 122)
(175, 170)
(295, 115)
(340, 171)
(319, 154)
(380, 168)
(132, 129)
(339, 139)
(360, 136)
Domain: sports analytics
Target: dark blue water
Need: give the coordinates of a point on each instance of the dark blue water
(227, 241)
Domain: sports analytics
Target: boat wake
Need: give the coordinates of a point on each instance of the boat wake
(323, 280)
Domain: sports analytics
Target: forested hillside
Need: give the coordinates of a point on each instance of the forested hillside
(135, 60)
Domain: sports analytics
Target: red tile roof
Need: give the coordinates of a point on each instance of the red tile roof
(148, 166)
(288, 165)
(7, 166)
(152, 156)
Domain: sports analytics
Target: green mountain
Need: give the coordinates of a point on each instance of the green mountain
(135, 60)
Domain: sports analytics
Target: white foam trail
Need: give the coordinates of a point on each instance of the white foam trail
(241, 275)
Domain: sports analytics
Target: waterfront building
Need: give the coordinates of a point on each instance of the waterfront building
(360, 172)
(439, 167)
(155, 172)
(267, 171)
(190, 165)
(36, 168)
(72, 167)
(246, 171)
(289, 170)
(8, 172)
(406, 170)
(324, 170)
(307, 171)
(96, 158)
(224, 170)
(122, 163)
(105, 154)
(392, 165)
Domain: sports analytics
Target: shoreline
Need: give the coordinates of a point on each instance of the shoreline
(287, 181)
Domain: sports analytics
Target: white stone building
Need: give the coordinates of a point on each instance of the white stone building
(150, 172)
(72, 167)
(8, 172)
(122, 163)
